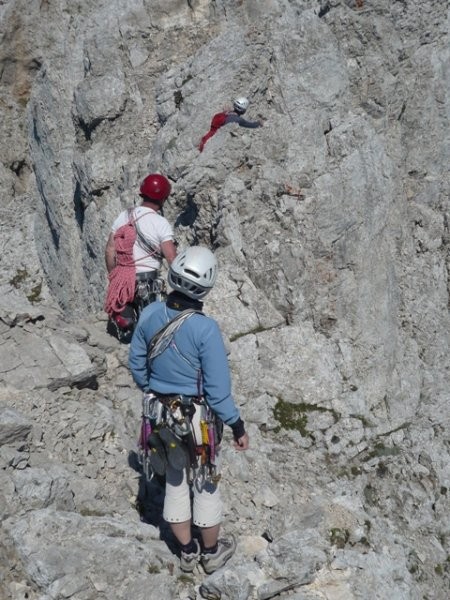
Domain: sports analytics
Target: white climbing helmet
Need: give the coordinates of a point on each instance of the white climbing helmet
(193, 272)
(241, 104)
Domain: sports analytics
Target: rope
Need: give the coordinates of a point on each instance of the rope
(122, 279)
(164, 336)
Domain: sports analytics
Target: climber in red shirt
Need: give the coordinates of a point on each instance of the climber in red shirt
(240, 106)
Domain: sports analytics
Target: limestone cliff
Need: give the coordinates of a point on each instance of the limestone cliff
(330, 224)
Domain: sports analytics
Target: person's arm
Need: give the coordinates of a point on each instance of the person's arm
(233, 118)
(166, 240)
(169, 251)
(215, 371)
(110, 253)
(217, 383)
(137, 357)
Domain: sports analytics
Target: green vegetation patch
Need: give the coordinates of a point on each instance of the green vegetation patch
(258, 329)
(381, 450)
(19, 277)
(443, 569)
(290, 416)
(339, 537)
(294, 416)
(154, 569)
(35, 293)
(350, 473)
(186, 580)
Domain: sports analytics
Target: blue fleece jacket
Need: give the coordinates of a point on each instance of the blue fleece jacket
(197, 347)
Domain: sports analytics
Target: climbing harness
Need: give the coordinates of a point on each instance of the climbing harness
(170, 417)
(149, 287)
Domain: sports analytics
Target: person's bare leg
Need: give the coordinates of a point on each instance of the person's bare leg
(182, 531)
(210, 535)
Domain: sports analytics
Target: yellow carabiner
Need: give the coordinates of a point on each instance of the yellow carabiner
(204, 430)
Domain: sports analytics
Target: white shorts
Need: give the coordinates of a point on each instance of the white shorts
(206, 507)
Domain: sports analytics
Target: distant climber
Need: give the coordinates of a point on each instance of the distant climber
(240, 106)
(140, 238)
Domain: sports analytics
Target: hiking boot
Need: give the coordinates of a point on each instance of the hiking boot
(225, 550)
(188, 561)
(158, 458)
(175, 449)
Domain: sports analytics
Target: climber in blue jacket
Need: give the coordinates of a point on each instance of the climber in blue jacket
(193, 365)
(198, 348)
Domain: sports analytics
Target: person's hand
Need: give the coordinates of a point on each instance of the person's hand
(242, 443)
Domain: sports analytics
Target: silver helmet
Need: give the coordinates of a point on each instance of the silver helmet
(241, 104)
(193, 272)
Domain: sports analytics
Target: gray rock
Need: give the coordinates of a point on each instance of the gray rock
(100, 98)
(330, 227)
(14, 427)
(105, 551)
(36, 488)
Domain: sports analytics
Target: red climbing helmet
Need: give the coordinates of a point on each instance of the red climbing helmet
(155, 187)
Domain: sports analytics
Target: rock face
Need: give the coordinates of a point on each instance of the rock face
(330, 224)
